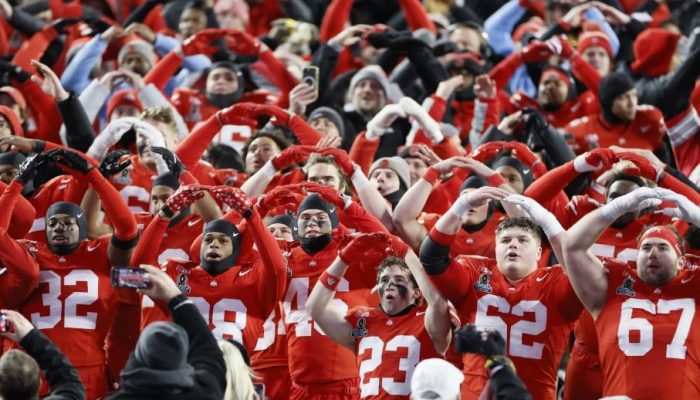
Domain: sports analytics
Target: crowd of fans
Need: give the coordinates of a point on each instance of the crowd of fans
(344, 199)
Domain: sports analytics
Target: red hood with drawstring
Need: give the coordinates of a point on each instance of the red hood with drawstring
(13, 120)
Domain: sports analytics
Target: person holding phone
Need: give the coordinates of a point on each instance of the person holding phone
(177, 360)
(19, 370)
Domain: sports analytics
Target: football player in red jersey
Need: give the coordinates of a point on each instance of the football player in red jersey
(478, 225)
(18, 275)
(234, 291)
(270, 356)
(309, 350)
(74, 301)
(389, 339)
(533, 308)
(644, 311)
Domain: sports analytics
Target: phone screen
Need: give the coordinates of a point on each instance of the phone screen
(130, 278)
(310, 77)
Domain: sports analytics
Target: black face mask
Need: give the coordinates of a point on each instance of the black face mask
(222, 101)
(315, 244)
(394, 197)
(215, 268)
(477, 227)
(184, 213)
(465, 94)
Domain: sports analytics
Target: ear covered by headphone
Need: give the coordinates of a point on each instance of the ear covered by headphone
(484, 48)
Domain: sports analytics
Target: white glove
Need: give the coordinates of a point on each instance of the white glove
(429, 125)
(378, 125)
(686, 210)
(112, 133)
(154, 138)
(358, 178)
(538, 214)
(630, 202)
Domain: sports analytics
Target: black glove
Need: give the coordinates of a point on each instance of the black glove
(27, 170)
(384, 38)
(60, 25)
(171, 160)
(14, 72)
(69, 159)
(98, 25)
(113, 164)
(444, 47)
(470, 340)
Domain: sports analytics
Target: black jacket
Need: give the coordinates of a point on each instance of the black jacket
(204, 356)
(64, 383)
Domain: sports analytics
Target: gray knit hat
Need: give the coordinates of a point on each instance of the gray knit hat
(332, 115)
(396, 164)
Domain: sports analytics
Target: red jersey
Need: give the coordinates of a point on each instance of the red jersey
(535, 316)
(646, 131)
(313, 357)
(648, 335)
(684, 132)
(478, 243)
(234, 303)
(51, 192)
(388, 349)
(177, 239)
(271, 348)
(74, 302)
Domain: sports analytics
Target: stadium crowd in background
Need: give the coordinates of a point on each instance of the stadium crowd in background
(345, 199)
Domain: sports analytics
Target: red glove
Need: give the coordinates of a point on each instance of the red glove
(287, 196)
(646, 168)
(235, 115)
(488, 151)
(183, 198)
(242, 43)
(536, 52)
(326, 192)
(341, 158)
(567, 50)
(372, 248)
(200, 43)
(292, 155)
(254, 110)
(234, 198)
(523, 153)
(601, 155)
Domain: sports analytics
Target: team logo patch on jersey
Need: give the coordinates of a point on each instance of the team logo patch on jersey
(627, 287)
(484, 283)
(182, 283)
(123, 177)
(361, 329)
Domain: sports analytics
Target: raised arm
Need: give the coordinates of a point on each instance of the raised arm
(20, 271)
(63, 379)
(437, 316)
(330, 319)
(585, 270)
(112, 164)
(275, 268)
(125, 230)
(405, 216)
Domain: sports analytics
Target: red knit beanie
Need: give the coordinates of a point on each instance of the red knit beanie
(126, 97)
(653, 51)
(594, 39)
